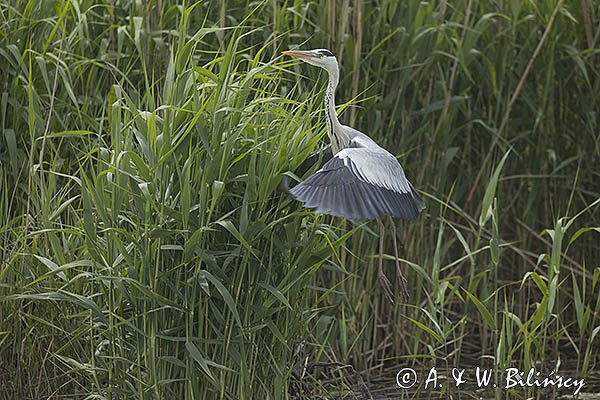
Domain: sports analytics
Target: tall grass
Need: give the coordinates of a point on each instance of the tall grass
(148, 253)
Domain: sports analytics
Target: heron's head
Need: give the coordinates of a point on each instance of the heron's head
(320, 57)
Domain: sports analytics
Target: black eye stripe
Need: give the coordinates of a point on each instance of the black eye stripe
(326, 53)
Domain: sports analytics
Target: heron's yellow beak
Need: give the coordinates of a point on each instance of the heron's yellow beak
(303, 55)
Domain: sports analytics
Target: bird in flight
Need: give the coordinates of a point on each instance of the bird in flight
(362, 181)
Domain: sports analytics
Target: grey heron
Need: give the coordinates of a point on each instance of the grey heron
(362, 181)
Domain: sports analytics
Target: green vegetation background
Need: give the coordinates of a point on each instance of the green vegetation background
(146, 252)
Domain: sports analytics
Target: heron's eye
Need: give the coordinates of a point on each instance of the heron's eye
(325, 53)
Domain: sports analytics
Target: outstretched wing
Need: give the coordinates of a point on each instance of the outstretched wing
(360, 183)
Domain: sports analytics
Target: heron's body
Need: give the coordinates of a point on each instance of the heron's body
(362, 180)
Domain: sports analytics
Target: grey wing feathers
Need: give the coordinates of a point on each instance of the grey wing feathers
(360, 183)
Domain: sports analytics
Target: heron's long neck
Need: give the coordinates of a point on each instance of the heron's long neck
(334, 128)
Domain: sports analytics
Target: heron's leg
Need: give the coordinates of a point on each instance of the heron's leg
(383, 280)
(401, 279)
(343, 249)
